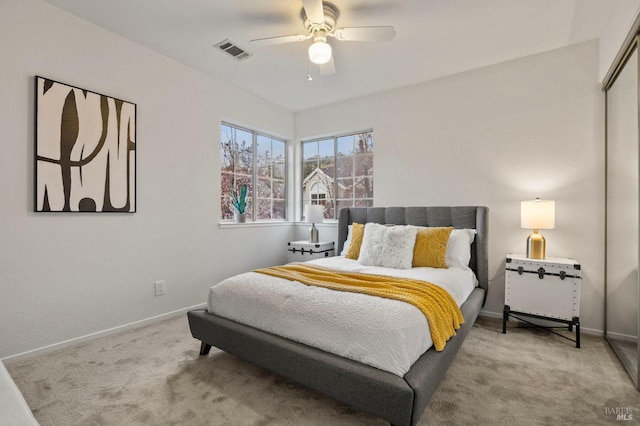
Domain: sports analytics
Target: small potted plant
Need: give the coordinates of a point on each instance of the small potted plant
(239, 201)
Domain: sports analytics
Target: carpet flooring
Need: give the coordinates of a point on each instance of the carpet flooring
(154, 376)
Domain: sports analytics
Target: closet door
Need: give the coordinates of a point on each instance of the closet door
(622, 241)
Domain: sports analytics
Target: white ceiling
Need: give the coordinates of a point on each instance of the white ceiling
(434, 38)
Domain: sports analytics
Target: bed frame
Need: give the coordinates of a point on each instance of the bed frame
(400, 400)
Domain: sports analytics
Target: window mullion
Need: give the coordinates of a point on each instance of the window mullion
(254, 175)
(335, 178)
(353, 174)
(236, 158)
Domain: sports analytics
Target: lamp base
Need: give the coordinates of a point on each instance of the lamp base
(536, 246)
(313, 234)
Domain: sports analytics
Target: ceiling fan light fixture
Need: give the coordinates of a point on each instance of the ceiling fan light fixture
(320, 52)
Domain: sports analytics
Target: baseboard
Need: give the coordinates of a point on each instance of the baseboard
(98, 334)
(623, 337)
(589, 331)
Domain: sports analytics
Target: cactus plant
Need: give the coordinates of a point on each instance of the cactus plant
(239, 199)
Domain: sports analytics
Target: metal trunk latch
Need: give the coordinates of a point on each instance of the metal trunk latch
(541, 273)
(563, 275)
(520, 270)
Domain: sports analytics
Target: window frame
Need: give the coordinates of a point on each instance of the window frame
(253, 194)
(335, 178)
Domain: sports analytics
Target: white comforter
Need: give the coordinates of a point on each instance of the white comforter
(14, 410)
(383, 333)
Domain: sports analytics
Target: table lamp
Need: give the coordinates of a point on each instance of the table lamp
(537, 214)
(313, 213)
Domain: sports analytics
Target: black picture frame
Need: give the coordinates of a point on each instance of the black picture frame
(85, 150)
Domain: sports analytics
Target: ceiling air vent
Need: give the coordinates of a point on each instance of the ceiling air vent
(233, 50)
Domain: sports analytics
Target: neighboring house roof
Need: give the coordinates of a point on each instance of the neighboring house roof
(320, 175)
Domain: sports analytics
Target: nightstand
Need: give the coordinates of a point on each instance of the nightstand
(301, 251)
(546, 289)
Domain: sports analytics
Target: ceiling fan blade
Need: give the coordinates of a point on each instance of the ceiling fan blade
(365, 33)
(314, 10)
(279, 39)
(328, 68)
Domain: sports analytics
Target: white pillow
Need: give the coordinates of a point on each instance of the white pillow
(347, 243)
(397, 249)
(459, 247)
(372, 243)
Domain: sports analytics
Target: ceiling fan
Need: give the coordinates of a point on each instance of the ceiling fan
(319, 19)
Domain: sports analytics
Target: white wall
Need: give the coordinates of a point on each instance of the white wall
(69, 275)
(526, 128)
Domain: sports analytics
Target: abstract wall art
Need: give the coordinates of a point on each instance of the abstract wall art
(85, 154)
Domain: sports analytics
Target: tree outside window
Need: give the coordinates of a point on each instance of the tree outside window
(259, 161)
(338, 172)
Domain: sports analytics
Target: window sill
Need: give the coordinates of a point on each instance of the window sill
(251, 224)
(258, 224)
(325, 224)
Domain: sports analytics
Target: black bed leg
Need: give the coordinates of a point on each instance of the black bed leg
(204, 348)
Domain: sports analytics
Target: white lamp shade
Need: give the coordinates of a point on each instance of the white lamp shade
(313, 213)
(538, 214)
(319, 52)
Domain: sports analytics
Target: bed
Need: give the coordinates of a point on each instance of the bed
(14, 410)
(400, 400)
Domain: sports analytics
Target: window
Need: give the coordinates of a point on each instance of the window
(259, 161)
(337, 172)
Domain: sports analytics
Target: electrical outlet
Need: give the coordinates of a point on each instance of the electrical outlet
(159, 288)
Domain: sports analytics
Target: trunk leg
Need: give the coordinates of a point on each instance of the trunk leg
(505, 318)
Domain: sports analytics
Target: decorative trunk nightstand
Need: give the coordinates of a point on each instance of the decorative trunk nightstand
(301, 251)
(547, 289)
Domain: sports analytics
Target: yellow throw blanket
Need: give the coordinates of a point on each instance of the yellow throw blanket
(440, 309)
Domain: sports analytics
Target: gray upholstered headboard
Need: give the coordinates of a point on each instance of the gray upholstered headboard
(472, 217)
